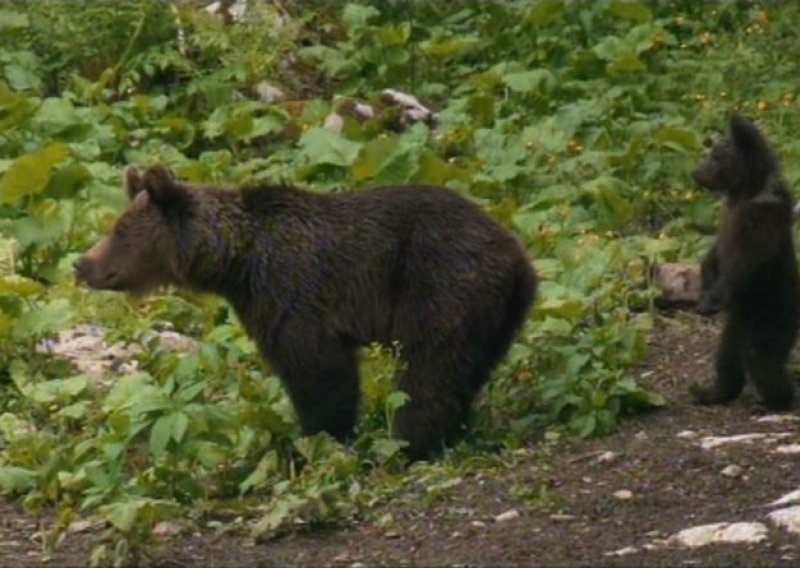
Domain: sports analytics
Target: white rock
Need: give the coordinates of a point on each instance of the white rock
(363, 111)
(236, 10)
(732, 470)
(85, 525)
(777, 418)
(788, 449)
(507, 516)
(711, 442)
(788, 518)
(166, 529)
(623, 551)
(334, 122)
(269, 93)
(85, 347)
(790, 498)
(686, 435)
(606, 457)
(701, 535)
(413, 110)
(478, 524)
(623, 494)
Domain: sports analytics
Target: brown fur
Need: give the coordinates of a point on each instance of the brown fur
(313, 276)
(751, 271)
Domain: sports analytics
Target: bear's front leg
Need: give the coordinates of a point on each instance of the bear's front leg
(321, 377)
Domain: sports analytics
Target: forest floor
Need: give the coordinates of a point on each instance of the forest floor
(620, 500)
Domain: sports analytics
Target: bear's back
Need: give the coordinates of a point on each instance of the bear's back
(383, 263)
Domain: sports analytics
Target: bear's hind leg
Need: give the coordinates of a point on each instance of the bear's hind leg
(729, 365)
(441, 391)
(323, 385)
(766, 358)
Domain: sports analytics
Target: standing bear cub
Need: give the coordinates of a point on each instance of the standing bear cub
(751, 271)
(312, 277)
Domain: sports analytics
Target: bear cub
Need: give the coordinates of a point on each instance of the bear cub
(751, 270)
(312, 277)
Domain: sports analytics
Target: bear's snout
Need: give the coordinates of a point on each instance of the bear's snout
(92, 273)
(701, 178)
(95, 268)
(83, 270)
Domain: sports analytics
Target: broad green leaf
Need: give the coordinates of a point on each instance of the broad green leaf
(357, 15)
(677, 138)
(6, 324)
(10, 20)
(445, 48)
(374, 156)
(55, 390)
(268, 124)
(67, 180)
(278, 512)
(432, 170)
(51, 317)
(122, 516)
(44, 229)
(30, 174)
(321, 146)
(215, 124)
(55, 114)
(390, 35)
(548, 135)
(180, 422)
(544, 12)
(386, 448)
(15, 108)
(127, 390)
(150, 400)
(76, 411)
(8, 248)
(266, 468)
(631, 10)
(160, 434)
(396, 400)
(17, 479)
(22, 78)
(534, 81)
(626, 62)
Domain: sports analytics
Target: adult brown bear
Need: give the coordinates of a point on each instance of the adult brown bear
(313, 277)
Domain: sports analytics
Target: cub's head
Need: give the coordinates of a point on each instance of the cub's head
(142, 251)
(740, 165)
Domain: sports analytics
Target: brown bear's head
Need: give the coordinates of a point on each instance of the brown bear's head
(142, 252)
(740, 165)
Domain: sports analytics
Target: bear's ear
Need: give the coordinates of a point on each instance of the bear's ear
(745, 134)
(163, 189)
(133, 181)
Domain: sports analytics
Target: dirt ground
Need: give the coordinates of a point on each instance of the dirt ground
(613, 501)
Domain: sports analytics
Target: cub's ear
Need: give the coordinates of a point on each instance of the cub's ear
(745, 134)
(164, 190)
(133, 181)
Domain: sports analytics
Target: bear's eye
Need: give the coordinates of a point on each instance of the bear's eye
(120, 234)
(719, 153)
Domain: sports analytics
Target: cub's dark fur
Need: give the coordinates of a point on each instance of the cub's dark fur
(751, 271)
(313, 276)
